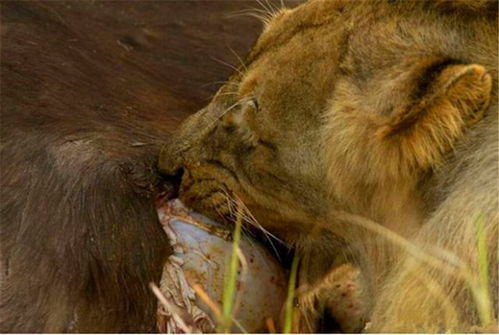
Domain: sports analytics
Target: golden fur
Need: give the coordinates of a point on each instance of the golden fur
(347, 113)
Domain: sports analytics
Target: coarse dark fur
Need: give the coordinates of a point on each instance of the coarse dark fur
(89, 92)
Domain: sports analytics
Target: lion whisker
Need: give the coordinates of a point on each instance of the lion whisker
(235, 202)
(243, 65)
(283, 5)
(220, 82)
(262, 16)
(228, 94)
(228, 64)
(223, 113)
(267, 7)
(250, 10)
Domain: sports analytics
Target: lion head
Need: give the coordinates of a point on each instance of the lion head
(338, 104)
(362, 106)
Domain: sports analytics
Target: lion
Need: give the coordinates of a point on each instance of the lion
(365, 133)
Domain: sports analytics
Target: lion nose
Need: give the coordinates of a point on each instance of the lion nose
(171, 159)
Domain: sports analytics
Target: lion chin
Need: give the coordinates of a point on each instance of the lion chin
(365, 134)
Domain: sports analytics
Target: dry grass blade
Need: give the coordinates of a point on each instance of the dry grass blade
(182, 318)
(207, 300)
(201, 293)
(270, 325)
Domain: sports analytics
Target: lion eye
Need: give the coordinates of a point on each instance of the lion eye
(253, 103)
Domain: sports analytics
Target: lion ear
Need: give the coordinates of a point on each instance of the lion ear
(439, 110)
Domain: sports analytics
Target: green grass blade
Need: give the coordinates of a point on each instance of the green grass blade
(231, 278)
(288, 317)
(484, 303)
